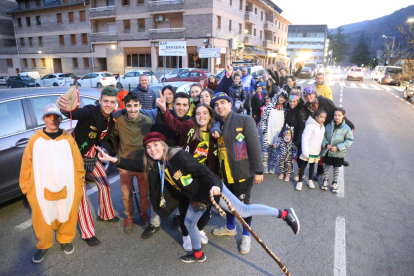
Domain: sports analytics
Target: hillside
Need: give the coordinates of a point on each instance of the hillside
(376, 28)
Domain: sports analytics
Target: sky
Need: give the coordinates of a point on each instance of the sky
(305, 12)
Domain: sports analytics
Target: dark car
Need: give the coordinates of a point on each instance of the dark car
(313, 66)
(306, 73)
(391, 75)
(21, 113)
(16, 81)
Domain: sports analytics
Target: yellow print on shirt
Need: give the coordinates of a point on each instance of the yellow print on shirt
(186, 180)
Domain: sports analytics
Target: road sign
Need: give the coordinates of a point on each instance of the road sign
(173, 48)
(209, 52)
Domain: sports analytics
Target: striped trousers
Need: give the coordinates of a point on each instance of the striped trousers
(105, 208)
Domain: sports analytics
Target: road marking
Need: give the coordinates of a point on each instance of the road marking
(397, 88)
(340, 248)
(387, 88)
(332, 83)
(341, 183)
(28, 223)
(340, 100)
(301, 81)
(353, 85)
(375, 87)
(364, 86)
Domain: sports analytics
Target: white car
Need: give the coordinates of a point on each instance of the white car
(377, 72)
(320, 68)
(2, 80)
(332, 70)
(97, 79)
(175, 73)
(56, 79)
(355, 73)
(131, 79)
(179, 86)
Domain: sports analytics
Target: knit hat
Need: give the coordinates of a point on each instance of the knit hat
(220, 96)
(308, 90)
(153, 136)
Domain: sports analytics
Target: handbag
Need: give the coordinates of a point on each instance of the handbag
(90, 163)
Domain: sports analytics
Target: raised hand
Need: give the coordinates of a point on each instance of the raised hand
(229, 69)
(104, 156)
(162, 102)
(61, 102)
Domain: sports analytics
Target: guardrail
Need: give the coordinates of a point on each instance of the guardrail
(165, 2)
(166, 30)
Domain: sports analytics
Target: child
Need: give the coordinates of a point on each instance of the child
(51, 177)
(258, 100)
(285, 153)
(338, 138)
(237, 92)
(311, 145)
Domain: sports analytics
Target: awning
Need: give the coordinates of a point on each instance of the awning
(255, 52)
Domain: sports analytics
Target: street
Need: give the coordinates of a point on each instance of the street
(366, 229)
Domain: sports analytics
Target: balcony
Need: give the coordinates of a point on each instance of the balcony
(250, 17)
(107, 11)
(249, 40)
(165, 5)
(104, 36)
(166, 33)
(269, 26)
(269, 44)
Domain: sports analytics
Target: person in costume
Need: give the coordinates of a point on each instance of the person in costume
(173, 173)
(94, 126)
(285, 153)
(51, 177)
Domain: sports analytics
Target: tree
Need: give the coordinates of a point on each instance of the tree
(360, 55)
(338, 45)
(406, 51)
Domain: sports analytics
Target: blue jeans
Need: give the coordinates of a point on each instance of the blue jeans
(244, 210)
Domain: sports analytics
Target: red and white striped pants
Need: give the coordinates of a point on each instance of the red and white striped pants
(105, 208)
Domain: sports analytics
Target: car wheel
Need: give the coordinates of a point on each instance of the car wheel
(107, 149)
(99, 85)
(119, 85)
(55, 84)
(37, 85)
(9, 86)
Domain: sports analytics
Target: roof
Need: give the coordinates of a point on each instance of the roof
(14, 93)
(6, 6)
(307, 28)
(53, 5)
(252, 51)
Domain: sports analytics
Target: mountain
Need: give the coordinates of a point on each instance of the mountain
(376, 28)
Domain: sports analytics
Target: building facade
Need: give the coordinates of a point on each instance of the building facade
(121, 35)
(308, 42)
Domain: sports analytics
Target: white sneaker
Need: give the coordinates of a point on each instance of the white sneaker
(311, 185)
(223, 231)
(245, 244)
(187, 243)
(298, 186)
(324, 186)
(203, 237)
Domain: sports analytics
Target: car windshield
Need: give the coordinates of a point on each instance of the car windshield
(27, 78)
(64, 76)
(356, 70)
(394, 70)
(333, 67)
(306, 69)
(107, 75)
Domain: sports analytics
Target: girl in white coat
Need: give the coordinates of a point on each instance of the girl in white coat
(312, 138)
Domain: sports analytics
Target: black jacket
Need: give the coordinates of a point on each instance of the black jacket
(172, 138)
(147, 97)
(91, 123)
(279, 80)
(237, 93)
(192, 178)
(294, 119)
(257, 103)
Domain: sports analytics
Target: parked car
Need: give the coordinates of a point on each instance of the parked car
(174, 73)
(21, 113)
(33, 74)
(2, 80)
(306, 73)
(56, 79)
(313, 67)
(97, 79)
(179, 86)
(194, 76)
(256, 71)
(320, 68)
(355, 73)
(390, 75)
(131, 79)
(408, 93)
(16, 81)
(376, 72)
(332, 70)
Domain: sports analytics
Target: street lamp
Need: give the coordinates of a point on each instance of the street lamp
(246, 31)
(410, 20)
(39, 52)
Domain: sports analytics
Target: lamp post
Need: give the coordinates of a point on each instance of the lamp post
(392, 48)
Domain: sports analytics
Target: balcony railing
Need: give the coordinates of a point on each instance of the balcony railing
(269, 44)
(165, 5)
(107, 11)
(166, 30)
(249, 39)
(250, 17)
(103, 36)
(269, 26)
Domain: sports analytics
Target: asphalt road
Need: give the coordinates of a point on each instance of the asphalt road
(364, 230)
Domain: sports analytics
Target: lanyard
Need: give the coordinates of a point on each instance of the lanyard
(162, 176)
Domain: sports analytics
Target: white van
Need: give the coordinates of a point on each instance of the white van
(376, 72)
(33, 74)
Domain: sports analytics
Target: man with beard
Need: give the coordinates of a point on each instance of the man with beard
(321, 87)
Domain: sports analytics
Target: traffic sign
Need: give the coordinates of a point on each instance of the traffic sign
(209, 52)
(173, 48)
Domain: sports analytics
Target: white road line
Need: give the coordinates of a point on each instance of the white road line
(340, 100)
(353, 85)
(397, 88)
(29, 223)
(364, 86)
(301, 81)
(311, 82)
(387, 88)
(375, 87)
(341, 183)
(340, 248)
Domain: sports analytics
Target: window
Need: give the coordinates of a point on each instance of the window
(140, 2)
(25, 63)
(218, 22)
(12, 117)
(43, 61)
(75, 62)
(10, 63)
(22, 42)
(231, 3)
(71, 17)
(38, 103)
(19, 22)
(255, 11)
(229, 25)
(201, 63)
(38, 21)
(261, 34)
(141, 25)
(86, 62)
(140, 60)
(278, 40)
(125, 2)
(274, 39)
(275, 22)
(38, 3)
(82, 16)
(84, 38)
(261, 16)
(59, 18)
(254, 32)
(279, 24)
(31, 41)
(241, 5)
(73, 39)
(127, 26)
(27, 4)
(33, 63)
(40, 40)
(28, 22)
(240, 28)
(61, 40)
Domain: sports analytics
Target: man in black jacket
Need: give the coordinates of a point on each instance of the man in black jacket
(281, 79)
(145, 94)
(94, 126)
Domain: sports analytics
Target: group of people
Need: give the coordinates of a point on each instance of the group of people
(182, 149)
